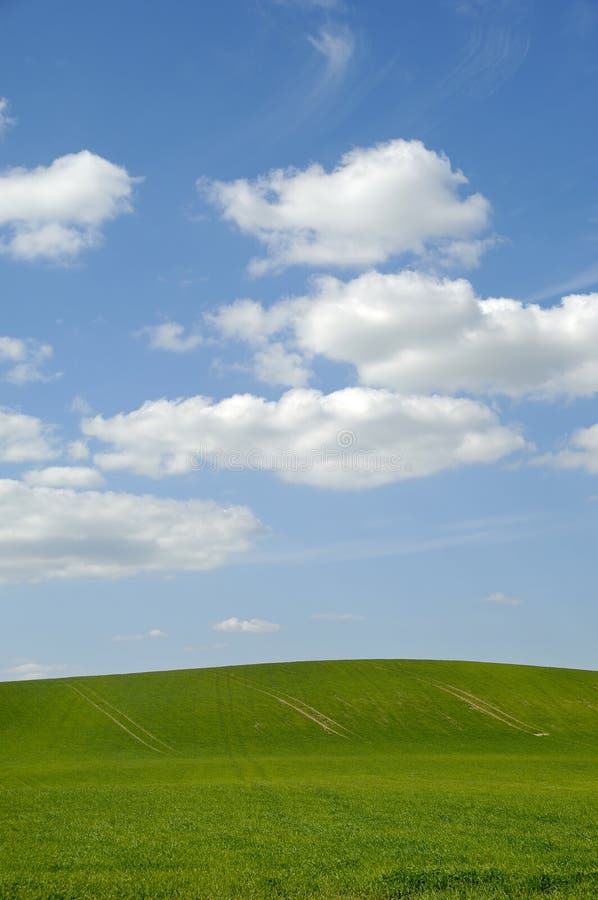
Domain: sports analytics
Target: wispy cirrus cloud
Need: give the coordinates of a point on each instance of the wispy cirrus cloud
(6, 120)
(336, 43)
(587, 277)
(498, 44)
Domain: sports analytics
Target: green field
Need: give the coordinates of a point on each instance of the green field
(378, 778)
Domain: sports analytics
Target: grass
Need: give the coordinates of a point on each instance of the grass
(373, 779)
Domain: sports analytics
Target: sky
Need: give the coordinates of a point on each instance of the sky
(299, 336)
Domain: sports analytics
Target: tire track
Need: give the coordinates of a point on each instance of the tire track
(317, 712)
(322, 720)
(113, 719)
(489, 705)
(488, 709)
(129, 719)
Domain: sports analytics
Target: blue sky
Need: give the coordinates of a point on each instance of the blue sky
(298, 351)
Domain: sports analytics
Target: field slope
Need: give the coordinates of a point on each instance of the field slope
(374, 778)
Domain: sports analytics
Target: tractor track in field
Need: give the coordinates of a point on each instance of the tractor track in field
(317, 712)
(129, 719)
(320, 719)
(487, 708)
(112, 718)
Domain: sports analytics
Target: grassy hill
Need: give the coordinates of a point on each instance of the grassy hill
(378, 778)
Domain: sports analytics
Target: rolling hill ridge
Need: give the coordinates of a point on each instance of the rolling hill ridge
(365, 778)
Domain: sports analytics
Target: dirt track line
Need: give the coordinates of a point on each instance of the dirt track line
(116, 722)
(317, 711)
(307, 715)
(490, 705)
(129, 719)
(526, 725)
(506, 719)
(482, 709)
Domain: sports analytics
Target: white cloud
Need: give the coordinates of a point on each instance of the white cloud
(277, 365)
(501, 599)
(580, 453)
(337, 45)
(57, 211)
(25, 358)
(77, 450)
(60, 533)
(413, 332)
(27, 670)
(64, 476)
(24, 438)
(151, 633)
(170, 336)
(338, 617)
(394, 198)
(246, 320)
(6, 120)
(352, 438)
(250, 626)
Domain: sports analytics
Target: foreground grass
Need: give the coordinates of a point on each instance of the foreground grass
(415, 793)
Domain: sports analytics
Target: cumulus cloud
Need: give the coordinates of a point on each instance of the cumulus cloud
(152, 633)
(24, 359)
(169, 336)
(27, 670)
(273, 362)
(6, 120)
(394, 198)
(581, 452)
(277, 365)
(56, 212)
(247, 320)
(64, 476)
(352, 438)
(413, 332)
(501, 599)
(249, 626)
(77, 450)
(25, 438)
(50, 533)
